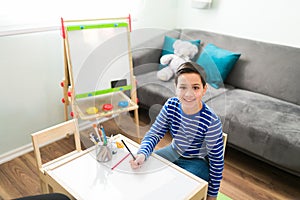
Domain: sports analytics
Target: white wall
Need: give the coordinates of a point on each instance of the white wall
(31, 64)
(265, 20)
(16, 14)
(31, 70)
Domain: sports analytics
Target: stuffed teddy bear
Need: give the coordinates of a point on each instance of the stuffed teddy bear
(184, 51)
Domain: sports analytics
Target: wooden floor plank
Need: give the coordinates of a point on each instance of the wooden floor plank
(263, 180)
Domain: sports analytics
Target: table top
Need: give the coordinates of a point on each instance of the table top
(86, 178)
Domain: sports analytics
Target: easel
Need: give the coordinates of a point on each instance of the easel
(80, 102)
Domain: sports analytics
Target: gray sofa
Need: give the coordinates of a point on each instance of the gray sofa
(259, 104)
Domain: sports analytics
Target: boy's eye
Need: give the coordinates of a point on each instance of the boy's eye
(196, 87)
(182, 87)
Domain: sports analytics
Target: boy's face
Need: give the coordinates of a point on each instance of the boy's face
(190, 91)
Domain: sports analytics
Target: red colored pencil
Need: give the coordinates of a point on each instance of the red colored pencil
(120, 161)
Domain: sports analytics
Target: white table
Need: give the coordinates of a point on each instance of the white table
(85, 178)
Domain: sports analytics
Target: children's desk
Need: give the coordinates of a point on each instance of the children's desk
(81, 176)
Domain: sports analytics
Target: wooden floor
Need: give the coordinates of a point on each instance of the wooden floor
(244, 177)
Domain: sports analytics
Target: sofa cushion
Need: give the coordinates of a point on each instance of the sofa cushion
(151, 91)
(217, 63)
(262, 125)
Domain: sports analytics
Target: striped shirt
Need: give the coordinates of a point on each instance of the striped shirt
(194, 136)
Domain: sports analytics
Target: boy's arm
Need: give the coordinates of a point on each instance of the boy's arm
(155, 134)
(214, 142)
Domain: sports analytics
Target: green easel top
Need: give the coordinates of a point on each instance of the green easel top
(95, 26)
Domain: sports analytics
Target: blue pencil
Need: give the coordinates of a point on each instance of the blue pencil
(104, 136)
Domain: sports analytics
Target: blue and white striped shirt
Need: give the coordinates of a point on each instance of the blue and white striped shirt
(194, 136)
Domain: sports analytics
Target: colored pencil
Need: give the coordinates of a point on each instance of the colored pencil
(120, 162)
(128, 149)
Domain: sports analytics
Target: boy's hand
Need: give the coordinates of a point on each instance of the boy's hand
(139, 160)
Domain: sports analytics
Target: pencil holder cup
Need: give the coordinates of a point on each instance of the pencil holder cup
(103, 153)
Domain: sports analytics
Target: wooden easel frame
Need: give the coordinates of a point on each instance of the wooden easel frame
(68, 82)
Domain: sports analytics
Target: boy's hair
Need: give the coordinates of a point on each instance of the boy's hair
(191, 67)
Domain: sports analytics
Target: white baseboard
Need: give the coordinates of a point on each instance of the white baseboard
(15, 153)
(28, 147)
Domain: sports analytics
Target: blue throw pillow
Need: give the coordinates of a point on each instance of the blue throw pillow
(217, 63)
(168, 46)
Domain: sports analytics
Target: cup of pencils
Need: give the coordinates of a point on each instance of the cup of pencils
(103, 153)
(103, 146)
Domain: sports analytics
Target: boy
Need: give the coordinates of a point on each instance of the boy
(197, 144)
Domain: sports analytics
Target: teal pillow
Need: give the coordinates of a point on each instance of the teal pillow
(217, 63)
(168, 45)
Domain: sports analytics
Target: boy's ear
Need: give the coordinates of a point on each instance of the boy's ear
(205, 88)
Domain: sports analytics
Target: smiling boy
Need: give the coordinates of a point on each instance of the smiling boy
(197, 144)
